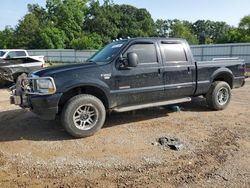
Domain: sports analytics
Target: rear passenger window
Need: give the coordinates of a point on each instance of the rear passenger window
(20, 54)
(146, 52)
(174, 52)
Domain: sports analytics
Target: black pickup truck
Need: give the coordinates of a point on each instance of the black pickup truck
(126, 75)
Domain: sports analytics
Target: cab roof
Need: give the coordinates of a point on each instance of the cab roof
(151, 38)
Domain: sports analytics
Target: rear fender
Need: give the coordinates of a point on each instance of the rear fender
(223, 74)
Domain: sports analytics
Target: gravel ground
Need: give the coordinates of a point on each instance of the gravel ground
(125, 153)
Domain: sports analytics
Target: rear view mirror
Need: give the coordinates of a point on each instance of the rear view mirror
(132, 59)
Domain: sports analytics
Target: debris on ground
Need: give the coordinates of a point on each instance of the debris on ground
(172, 143)
(175, 108)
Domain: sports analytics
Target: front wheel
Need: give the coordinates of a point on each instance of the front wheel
(83, 115)
(219, 95)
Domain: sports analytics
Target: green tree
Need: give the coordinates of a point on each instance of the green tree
(54, 26)
(135, 22)
(180, 29)
(26, 32)
(102, 20)
(245, 23)
(51, 38)
(87, 24)
(162, 27)
(118, 21)
(240, 34)
(40, 13)
(218, 31)
(87, 41)
(244, 29)
(68, 16)
(7, 38)
(232, 36)
(200, 28)
(210, 31)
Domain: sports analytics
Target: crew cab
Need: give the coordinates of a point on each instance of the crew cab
(127, 75)
(14, 62)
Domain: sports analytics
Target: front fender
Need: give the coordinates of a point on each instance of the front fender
(87, 82)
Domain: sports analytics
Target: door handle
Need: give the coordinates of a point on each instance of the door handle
(159, 72)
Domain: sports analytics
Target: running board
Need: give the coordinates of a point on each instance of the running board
(149, 105)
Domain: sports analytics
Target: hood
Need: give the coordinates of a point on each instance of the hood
(63, 68)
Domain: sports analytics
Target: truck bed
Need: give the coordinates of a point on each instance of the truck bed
(208, 70)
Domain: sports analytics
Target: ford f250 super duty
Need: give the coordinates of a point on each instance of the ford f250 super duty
(126, 75)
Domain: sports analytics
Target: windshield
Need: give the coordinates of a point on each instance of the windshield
(108, 52)
(2, 53)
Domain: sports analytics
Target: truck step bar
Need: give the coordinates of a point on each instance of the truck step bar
(149, 105)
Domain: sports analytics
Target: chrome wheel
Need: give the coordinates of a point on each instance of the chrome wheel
(222, 96)
(85, 117)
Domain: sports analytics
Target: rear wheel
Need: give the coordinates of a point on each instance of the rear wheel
(83, 115)
(219, 95)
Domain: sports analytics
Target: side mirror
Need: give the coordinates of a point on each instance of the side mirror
(132, 59)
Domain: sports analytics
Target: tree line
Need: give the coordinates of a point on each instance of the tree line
(88, 24)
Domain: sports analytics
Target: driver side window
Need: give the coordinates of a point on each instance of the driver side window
(146, 52)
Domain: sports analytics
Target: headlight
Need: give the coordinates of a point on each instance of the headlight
(45, 86)
(39, 85)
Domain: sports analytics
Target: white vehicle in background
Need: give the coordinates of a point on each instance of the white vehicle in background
(14, 62)
(18, 53)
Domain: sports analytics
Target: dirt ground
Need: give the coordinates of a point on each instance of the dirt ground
(125, 153)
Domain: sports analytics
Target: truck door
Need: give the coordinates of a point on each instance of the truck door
(178, 71)
(141, 84)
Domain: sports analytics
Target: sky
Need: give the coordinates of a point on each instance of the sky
(230, 11)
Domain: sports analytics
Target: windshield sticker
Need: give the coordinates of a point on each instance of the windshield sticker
(117, 46)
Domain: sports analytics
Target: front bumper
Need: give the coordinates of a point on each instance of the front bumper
(46, 107)
(28, 95)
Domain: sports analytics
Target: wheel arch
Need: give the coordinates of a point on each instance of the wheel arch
(94, 90)
(223, 74)
(16, 74)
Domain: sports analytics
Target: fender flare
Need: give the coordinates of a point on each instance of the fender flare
(100, 87)
(223, 71)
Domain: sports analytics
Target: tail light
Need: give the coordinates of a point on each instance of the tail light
(245, 68)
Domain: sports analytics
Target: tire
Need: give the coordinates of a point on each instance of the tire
(219, 95)
(83, 115)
